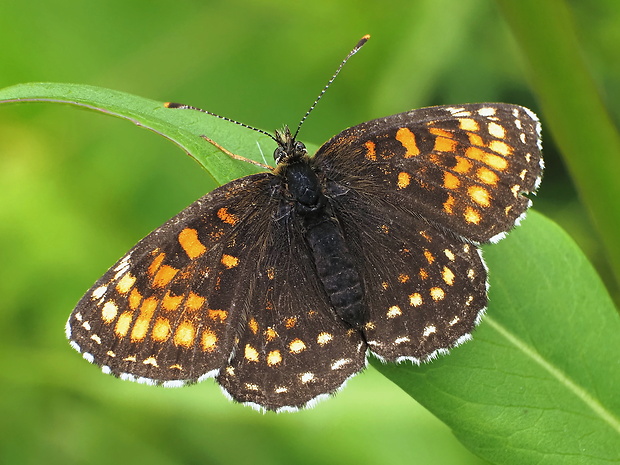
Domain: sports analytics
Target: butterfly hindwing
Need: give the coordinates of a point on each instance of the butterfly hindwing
(425, 290)
(293, 348)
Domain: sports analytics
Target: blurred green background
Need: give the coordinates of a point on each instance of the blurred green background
(78, 189)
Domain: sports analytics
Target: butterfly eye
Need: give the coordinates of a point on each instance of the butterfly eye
(300, 148)
(279, 154)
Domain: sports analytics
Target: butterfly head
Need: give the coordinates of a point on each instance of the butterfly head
(289, 150)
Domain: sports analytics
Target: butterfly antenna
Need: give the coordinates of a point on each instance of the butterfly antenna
(189, 107)
(359, 45)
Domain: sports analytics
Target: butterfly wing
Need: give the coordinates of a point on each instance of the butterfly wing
(425, 290)
(427, 184)
(226, 283)
(170, 309)
(463, 169)
(294, 349)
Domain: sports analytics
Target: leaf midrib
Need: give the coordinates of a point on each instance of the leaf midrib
(557, 373)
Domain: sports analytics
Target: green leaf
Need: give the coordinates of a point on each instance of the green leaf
(573, 109)
(539, 382)
(183, 127)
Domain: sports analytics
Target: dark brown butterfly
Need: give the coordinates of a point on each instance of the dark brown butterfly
(279, 284)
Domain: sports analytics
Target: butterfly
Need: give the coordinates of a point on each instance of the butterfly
(279, 284)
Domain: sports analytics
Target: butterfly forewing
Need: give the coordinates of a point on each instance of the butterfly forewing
(464, 168)
(171, 308)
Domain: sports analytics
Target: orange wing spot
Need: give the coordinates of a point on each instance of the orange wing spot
(385, 229)
(403, 278)
(497, 130)
(218, 315)
(450, 181)
(123, 323)
(448, 276)
(135, 299)
(109, 312)
(494, 161)
(142, 323)
(185, 334)
(208, 340)
(423, 274)
(407, 139)
(403, 180)
(250, 353)
(468, 124)
(290, 322)
(429, 257)
(229, 261)
(426, 236)
(270, 334)
(188, 238)
(439, 131)
(156, 263)
(475, 139)
(271, 273)
(415, 299)
(371, 154)
(125, 283)
(463, 165)
(476, 153)
(253, 325)
(500, 147)
(437, 293)
(296, 346)
(227, 217)
(161, 330)
(385, 285)
(487, 176)
(471, 215)
(171, 302)
(448, 205)
(443, 144)
(479, 195)
(194, 302)
(274, 358)
(164, 275)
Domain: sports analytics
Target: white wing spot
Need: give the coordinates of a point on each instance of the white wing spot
(429, 330)
(340, 363)
(486, 111)
(99, 292)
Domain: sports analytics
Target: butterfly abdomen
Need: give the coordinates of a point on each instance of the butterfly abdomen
(323, 233)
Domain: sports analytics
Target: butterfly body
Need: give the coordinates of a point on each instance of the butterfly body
(280, 283)
(322, 231)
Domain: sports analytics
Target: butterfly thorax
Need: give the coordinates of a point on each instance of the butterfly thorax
(325, 236)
